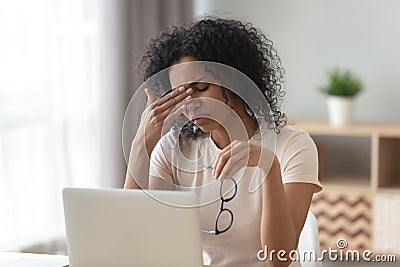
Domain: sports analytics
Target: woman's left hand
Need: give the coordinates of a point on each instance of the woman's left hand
(241, 154)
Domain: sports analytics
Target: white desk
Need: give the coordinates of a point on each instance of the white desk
(13, 259)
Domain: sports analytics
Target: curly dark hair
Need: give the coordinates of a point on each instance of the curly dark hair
(227, 41)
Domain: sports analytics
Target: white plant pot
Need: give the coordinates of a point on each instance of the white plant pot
(340, 110)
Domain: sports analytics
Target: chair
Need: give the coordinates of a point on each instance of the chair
(309, 241)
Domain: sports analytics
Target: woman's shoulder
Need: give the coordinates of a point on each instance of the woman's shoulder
(283, 138)
(288, 132)
(294, 140)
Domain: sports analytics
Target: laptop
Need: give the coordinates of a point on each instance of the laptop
(121, 228)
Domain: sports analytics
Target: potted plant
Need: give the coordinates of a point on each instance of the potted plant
(342, 87)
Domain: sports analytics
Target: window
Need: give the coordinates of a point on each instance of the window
(49, 102)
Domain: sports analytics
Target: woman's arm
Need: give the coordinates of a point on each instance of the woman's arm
(285, 207)
(157, 183)
(138, 165)
(284, 212)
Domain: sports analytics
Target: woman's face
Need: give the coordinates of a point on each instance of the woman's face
(209, 107)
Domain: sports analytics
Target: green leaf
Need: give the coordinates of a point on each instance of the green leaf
(342, 83)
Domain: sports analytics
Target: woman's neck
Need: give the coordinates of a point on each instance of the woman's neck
(222, 139)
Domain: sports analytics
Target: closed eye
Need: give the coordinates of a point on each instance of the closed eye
(200, 86)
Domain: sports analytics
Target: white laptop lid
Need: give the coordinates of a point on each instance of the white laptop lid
(115, 227)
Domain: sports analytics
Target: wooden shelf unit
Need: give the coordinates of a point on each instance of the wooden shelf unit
(384, 152)
(360, 173)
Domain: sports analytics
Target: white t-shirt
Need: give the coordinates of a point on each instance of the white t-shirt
(238, 246)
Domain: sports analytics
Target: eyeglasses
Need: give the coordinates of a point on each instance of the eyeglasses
(223, 212)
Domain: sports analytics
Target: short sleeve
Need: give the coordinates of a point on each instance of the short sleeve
(160, 172)
(299, 161)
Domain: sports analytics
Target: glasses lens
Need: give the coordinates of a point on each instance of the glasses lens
(224, 220)
(228, 189)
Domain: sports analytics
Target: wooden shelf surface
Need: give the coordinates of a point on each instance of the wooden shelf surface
(349, 181)
(389, 190)
(321, 127)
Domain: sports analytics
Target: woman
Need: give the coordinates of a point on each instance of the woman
(272, 216)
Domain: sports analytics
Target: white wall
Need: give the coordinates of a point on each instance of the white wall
(313, 36)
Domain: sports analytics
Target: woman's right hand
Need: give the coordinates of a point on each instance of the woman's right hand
(160, 113)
